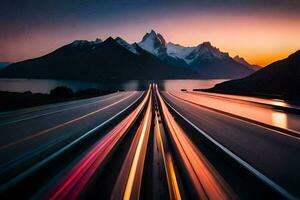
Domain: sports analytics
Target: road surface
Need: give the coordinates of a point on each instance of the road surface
(146, 145)
(271, 152)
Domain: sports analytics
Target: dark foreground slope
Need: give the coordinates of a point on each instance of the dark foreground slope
(104, 61)
(281, 79)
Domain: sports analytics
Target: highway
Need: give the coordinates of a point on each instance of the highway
(30, 136)
(270, 151)
(147, 145)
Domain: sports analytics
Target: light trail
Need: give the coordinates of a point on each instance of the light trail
(129, 180)
(73, 182)
(275, 129)
(173, 187)
(251, 112)
(56, 111)
(63, 124)
(207, 183)
(272, 184)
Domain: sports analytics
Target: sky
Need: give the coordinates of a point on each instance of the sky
(261, 31)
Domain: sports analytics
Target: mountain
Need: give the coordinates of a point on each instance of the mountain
(244, 62)
(4, 64)
(130, 47)
(207, 60)
(96, 60)
(155, 44)
(151, 58)
(281, 78)
(210, 62)
(176, 50)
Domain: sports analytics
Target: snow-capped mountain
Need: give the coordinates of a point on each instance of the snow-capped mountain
(154, 43)
(130, 47)
(206, 51)
(84, 43)
(244, 62)
(111, 59)
(151, 58)
(206, 59)
(178, 51)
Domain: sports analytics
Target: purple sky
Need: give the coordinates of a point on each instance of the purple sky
(261, 31)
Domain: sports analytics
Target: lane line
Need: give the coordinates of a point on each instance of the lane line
(237, 99)
(53, 112)
(206, 181)
(127, 165)
(51, 105)
(162, 145)
(290, 133)
(74, 181)
(134, 181)
(63, 124)
(254, 171)
(45, 161)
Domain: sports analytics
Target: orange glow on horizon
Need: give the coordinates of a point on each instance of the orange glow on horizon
(260, 37)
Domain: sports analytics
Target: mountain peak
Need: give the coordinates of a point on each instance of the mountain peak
(98, 40)
(245, 62)
(125, 44)
(82, 43)
(240, 59)
(206, 44)
(154, 36)
(154, 43)
(207, 51)
(161, 39)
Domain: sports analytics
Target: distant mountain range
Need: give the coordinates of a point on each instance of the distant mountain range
(4, 64)
(244, 62)
(151, 58)
(281, 78)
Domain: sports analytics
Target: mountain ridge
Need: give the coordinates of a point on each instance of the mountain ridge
(280, 78)
(97, 63)
(206, 61)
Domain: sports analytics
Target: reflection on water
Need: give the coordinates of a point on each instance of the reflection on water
(45, 85)
(279, 119)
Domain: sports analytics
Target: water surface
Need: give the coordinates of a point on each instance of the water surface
(45, 85)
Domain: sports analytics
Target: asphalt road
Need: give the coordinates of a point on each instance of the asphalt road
(39, 131)
(274, 154)
(150, 152)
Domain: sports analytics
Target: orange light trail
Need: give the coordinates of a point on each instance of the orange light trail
(74, 181)
(173, 187)
(207, 182)
(129, 181)
(62, 124)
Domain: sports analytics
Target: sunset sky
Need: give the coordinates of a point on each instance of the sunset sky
(260, 31)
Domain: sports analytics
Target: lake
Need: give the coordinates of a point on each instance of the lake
(45, 85)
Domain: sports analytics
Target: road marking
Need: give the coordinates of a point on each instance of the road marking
(206, 181)
(42, 163)
(73, 182)
(174, 191)
(254, 171)
(53, 112)
(133, 185)
(63, 124)
(291, 133)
